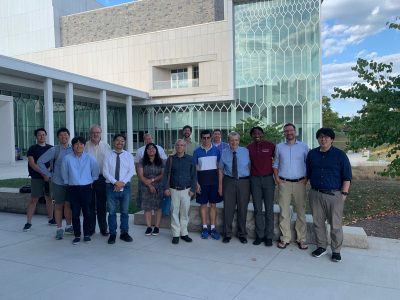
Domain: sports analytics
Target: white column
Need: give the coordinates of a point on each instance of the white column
(103, 115)
(129, 130)
(48, 110)
(7, 149)
(69, 108)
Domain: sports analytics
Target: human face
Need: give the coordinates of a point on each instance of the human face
(151, 151)
(206, 140)
(217, 136)
(119, 143)
(78, 148)
(63, 138)
(290, 133)
(233, 142)
(180, 148)
(257, 135)
(325, 142)
(187, 133)
(41, 137)
(148, 139)
(95, 135)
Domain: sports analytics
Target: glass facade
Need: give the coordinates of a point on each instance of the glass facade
(29, 115)
(277, 63)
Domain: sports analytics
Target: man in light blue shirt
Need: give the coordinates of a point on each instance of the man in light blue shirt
(79, 169)
(58, 189)
(290, 177)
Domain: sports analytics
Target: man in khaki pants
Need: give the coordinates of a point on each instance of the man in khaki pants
(290, 177)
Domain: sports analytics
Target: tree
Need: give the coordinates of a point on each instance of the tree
(272, 132)
(330, 118)
(379, 119)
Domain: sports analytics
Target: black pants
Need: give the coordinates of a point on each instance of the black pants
(79, 197)
(98, 205)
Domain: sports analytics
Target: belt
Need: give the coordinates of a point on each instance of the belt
(246, 177)
(180, 188)
(328, 192)
(291, 180)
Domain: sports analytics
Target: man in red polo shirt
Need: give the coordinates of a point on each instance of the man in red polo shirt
(262, 185)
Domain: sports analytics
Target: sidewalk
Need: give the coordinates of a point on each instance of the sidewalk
(35, 266)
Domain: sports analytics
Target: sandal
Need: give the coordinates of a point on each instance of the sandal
(282, 245)
(302, 245)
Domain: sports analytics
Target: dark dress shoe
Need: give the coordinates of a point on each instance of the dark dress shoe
(104, 233)
(268, 242)
(258, 241)
(126, 237)
(175, 240)
(226, 240)
(186, 238)
(242, 239)
(111, 239)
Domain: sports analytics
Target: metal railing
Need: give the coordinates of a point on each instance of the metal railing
(169, 84)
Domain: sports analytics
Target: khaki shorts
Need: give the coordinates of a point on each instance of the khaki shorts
(39, 188)
(59, 193)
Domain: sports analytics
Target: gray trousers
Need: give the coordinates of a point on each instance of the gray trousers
(327, 208)
(263, 191)
(236, 192)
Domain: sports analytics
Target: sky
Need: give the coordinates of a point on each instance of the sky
(350, 30)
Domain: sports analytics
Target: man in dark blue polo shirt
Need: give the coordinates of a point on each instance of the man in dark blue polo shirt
(329, 172)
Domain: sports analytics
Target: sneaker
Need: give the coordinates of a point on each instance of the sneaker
(126, 237)
(86, 238)
(175, 240)
(111, 239)
(204, 233)
(69, 230)
(52, 222)
(336, 257)
(76, 241)
(186, 238)
(59, 234)
(319, 252)
(148, 231)
(27, 227)
(156, 231)
(214, 234)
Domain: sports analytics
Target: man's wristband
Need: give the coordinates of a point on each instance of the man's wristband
(345, 193)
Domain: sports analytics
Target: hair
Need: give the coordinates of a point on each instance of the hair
(147, 134)
(187, 126)
(256, 128)
(289, 124)
(39, 129)
(79, 139)
(233, 134)
(204, 132)
(95, 126)
(119, 135)
(180, 140)
(62, 129)
(325, 131)
(217, 130)
(146, 159)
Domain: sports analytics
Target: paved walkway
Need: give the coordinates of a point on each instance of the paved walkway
(35, 266)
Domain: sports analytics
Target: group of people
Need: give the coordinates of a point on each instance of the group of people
(92, 178)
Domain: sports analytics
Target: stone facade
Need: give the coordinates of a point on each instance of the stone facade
(136, 18)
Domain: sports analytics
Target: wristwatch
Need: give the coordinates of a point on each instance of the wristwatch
(345, 193)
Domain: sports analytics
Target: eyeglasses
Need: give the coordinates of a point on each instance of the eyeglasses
(206, 137)
(324, 137)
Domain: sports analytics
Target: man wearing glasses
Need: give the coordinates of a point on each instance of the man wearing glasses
(206, 158)
(329, 172)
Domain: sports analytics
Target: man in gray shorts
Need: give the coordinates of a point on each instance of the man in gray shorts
(39, 187)
(54, 156)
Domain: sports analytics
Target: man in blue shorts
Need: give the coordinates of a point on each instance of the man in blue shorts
(206, 158)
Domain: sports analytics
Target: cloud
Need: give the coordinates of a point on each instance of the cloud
(343, 26)
(341, 75)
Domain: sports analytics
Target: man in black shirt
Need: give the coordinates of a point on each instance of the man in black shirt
(39, 187)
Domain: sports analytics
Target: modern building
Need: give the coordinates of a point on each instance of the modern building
(208, 63)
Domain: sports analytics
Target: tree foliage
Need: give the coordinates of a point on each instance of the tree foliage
(379, 119)
(272, 132)
(330, 118)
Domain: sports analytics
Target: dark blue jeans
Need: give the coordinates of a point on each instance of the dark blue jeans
(79, 197)
(113, 200)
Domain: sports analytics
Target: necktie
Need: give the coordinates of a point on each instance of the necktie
(234, 166)
(117, 166)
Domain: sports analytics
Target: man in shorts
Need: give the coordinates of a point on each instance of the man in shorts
(39, 187)
(206, 158)
(54, 156)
